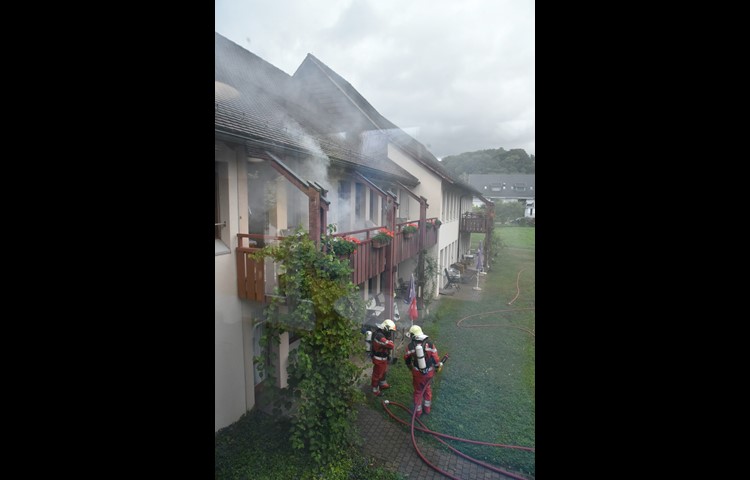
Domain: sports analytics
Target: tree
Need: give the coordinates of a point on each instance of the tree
(490, 161)
(508, 211)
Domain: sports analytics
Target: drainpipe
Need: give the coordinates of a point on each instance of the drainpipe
(420, 259)
(460, 221)
(390, 255)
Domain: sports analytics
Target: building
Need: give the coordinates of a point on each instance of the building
(507, 188)
(308, 151)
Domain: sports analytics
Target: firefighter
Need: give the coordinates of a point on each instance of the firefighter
(422, 358)
(382, 346)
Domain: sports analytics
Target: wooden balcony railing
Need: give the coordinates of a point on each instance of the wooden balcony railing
(257, 279)
(475, 223)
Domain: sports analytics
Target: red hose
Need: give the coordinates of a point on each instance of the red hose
(438, 435)
(518, 292)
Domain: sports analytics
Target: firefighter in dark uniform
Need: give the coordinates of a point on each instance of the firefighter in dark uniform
(422, 358)
(382, 346)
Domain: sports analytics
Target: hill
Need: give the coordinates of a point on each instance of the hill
(490, 161)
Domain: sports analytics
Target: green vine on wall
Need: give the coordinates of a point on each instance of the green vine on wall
(317, 302)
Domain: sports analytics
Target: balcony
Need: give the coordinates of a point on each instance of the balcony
(474, 222)
(257, 279)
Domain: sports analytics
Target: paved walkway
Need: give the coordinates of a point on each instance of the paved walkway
(389, 441)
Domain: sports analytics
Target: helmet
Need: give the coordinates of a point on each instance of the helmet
(415, 330)
(387, 325)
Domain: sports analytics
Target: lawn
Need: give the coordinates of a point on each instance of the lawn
(514, 237)
(485, 391)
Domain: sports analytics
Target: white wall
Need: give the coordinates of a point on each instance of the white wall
(230, 399)
(431, 187)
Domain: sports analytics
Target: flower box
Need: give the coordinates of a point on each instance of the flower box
(382, 238)
(409, 230)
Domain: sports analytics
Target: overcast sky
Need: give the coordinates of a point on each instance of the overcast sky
(457, 75)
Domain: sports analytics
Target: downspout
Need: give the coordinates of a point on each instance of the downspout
(420, 260)
(460, 224)
(390, 256)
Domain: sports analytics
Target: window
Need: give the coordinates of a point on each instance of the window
(221, 208)
(359, 201)
(403, 204)
(374, 208)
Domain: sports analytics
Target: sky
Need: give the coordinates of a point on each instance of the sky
(457, 75)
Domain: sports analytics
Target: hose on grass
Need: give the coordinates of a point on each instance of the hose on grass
(518, 292)
(518, 288)
(437, 436)
(531, 332)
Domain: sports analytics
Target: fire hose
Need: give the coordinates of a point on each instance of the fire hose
(437, 436)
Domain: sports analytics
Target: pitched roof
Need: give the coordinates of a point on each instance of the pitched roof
(517, 185)
(342, 101)
(258, 102)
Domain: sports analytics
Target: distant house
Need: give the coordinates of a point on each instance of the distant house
(507, 188)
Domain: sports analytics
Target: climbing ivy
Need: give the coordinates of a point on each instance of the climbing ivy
(318, 302)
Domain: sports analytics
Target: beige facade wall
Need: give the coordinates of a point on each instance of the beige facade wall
(230, 394)
(431, 187)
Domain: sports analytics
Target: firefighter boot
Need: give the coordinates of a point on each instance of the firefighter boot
(376, 391)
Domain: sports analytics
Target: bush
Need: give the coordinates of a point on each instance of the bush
(525, 221)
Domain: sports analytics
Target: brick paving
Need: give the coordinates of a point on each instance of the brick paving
(389, 442)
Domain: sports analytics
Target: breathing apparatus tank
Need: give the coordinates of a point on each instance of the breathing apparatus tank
(368, 341)
(421, 363)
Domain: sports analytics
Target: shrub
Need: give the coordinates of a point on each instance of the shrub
(342, 246)
(410, 228)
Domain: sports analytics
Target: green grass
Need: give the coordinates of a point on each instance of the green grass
(514, 237)
(485, 392)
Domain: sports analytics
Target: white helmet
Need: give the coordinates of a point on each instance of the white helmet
(387, 325)
(415, 330)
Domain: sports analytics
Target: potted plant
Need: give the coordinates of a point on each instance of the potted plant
(344, 246)
(409, 230)
(382, 238)
(434, 223)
